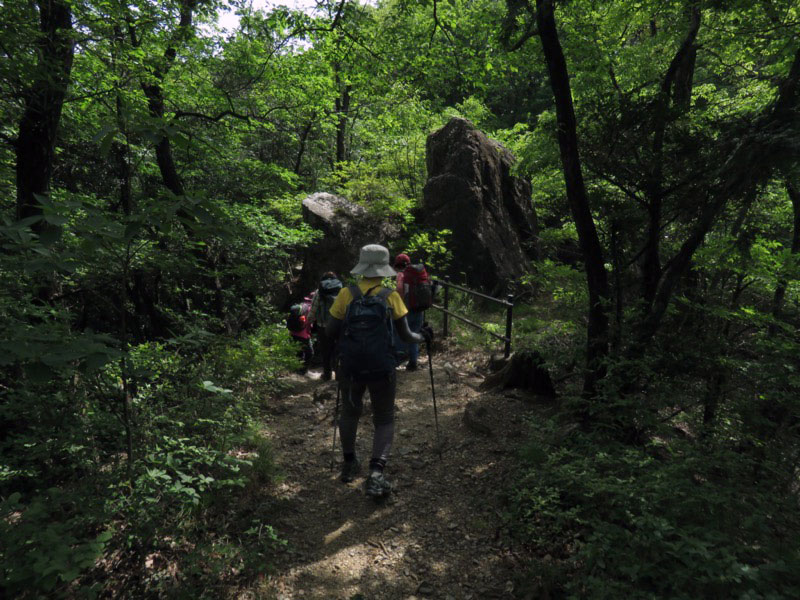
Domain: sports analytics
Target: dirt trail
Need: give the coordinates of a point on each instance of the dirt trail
(440, 534)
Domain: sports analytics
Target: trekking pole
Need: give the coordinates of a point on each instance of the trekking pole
(433, 393)
(335, 423)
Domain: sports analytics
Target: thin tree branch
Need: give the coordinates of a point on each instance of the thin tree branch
(338, 16)
(196, 115)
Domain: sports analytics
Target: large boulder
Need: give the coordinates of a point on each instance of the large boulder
(470, 190)
(345, 227)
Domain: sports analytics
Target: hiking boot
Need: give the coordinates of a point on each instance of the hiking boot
(350, 468)
(376, 485)
(411, 366)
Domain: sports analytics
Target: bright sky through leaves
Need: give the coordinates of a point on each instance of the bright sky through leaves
(228, 19)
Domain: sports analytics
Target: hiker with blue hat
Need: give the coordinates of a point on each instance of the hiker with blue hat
(367, 318)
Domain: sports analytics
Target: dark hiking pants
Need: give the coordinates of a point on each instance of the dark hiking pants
(326, 347)
(305, 353)
(381, 394)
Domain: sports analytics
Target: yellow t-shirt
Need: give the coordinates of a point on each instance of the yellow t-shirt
(344, 297)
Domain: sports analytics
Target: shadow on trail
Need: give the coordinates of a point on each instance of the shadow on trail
(439, 534)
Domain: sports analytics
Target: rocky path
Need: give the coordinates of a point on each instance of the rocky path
(440, 534)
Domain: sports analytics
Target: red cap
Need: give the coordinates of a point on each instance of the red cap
(401, 260)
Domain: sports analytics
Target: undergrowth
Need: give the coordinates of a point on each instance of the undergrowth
(609, 520)
(183, 514)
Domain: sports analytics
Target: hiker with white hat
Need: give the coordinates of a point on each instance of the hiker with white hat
(367, 318)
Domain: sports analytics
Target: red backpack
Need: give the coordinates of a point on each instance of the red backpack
(419, 291)
(297, 320)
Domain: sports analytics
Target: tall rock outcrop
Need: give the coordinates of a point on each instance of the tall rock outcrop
(470, 190)
(345, 227)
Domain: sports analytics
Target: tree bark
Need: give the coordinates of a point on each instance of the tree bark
(751, 161)
(342, 106)
(170, 177)
(302, 148)
(596, 277)
(674, 96)
(44, 99)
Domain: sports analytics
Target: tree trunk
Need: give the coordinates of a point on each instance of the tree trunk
(674, 96)
(44, 99)
(302, 148)
(751, 160)
(524, 370)
(342, 108)
(616, 262)
(596, 277)
(155, 97)
(164, 158)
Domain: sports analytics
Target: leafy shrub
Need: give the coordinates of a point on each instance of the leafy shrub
(46, 542)
(255, 359)
(613, 521)
(434, 246)
(380, 193)
(191, 441)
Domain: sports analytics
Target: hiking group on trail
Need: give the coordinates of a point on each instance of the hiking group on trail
(360, 324)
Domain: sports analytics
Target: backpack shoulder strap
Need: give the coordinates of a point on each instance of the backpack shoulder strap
(384, 295)
(355, 291)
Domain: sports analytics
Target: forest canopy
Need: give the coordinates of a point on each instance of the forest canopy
(152, 169)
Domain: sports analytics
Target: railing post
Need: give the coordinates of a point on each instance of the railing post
(509, 322)
(446, 304)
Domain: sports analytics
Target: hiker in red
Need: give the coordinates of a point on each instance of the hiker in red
(299, 326)
(401, 261)
(414, 286)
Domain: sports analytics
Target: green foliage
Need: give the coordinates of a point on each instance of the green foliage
(433, 246)
(45, 542)
(670, 520)
(255, 360)
(472, 109)
(193, 401)
(380, 194)
(139, 332)
(564, 284)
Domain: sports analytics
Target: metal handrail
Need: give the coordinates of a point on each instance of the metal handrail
(468, 322)
(473, 292)
(509, 304)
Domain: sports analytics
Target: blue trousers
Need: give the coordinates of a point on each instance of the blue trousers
(415, 320)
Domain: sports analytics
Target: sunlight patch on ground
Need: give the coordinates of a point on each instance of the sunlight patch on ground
(479, 469)
(333, 535)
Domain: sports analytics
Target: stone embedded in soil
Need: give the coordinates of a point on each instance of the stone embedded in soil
(425, 588)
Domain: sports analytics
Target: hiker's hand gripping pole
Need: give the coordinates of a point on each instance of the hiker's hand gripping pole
(433, 393)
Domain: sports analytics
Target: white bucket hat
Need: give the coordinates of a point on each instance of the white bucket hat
(373, 261)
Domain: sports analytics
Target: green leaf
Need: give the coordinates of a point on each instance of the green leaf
(28, 221)
(51, 235)
(55, 218)
(95, 361)
(105, 536)
(105, 145)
